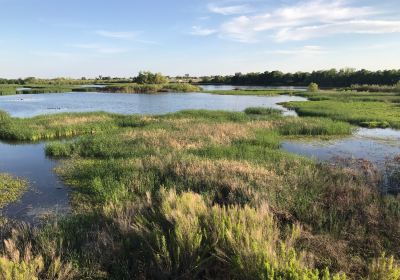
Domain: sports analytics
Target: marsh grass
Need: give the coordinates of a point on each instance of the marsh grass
(6, 89)
(210, 194)
(149, 88)
(54, 126)
(263, 111)
(369, 114)
(256, 92)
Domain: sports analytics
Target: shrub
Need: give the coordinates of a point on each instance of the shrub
(313, 87)
(384, 268)
(22, 264)
(183, 236)
(146, 77)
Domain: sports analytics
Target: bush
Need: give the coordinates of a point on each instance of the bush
(18, 264)
(384, 269)
(146, 77)
(313, 87)
(183, 236)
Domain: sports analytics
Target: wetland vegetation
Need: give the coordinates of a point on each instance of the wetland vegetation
(201, 193)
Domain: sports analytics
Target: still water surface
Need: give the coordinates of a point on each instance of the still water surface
(46, 195)
(375, 145)
(29, 105)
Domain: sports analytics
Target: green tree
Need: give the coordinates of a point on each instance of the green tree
(313, 87)
(146, 77)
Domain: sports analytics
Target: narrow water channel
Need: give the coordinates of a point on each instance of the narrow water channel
(47, 195)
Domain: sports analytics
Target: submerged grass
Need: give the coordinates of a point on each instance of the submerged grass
(206, 194)
(11, 189)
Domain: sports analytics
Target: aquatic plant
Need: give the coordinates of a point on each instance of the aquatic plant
(11, 189)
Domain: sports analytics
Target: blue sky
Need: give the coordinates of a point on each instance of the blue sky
(74, 38)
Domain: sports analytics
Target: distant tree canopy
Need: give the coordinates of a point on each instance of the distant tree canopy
(325, 78)
(146, 77)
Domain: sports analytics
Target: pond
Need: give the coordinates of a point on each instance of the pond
(381, 147)
(232, 87)
(375, 145)
(29, 105)
(47, 195)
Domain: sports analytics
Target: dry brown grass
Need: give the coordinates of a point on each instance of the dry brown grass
(228, 182)
(187, 134)
(75, 120)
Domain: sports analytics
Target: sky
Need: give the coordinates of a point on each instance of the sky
(76, 38)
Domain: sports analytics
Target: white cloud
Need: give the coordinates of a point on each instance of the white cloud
(305, 20)
(200, 31)
(346, 27)
(229, 10)
(117, 34)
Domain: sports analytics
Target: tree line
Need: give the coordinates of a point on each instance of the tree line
(324, 78)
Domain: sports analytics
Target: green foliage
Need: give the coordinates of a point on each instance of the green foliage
(148, 88)
(313, 87)
(326, 78)
(146, 77)
(377, 88)
(19, 264)
(183, 237)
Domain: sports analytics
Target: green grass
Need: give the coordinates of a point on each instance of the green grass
(259, 92)
(369, 114)
(314, 127)
(11, 189)
(263, 111)
(54, 126)
(6, 89)
(351, 96)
